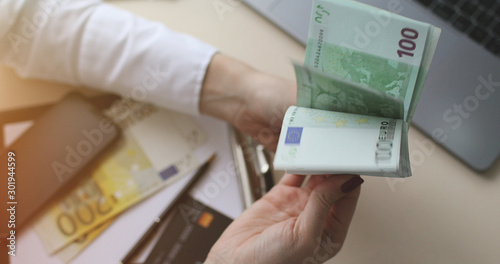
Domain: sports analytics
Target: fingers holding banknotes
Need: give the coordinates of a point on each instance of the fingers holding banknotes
(292, 224)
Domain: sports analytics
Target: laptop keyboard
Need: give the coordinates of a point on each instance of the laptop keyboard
(479, 19)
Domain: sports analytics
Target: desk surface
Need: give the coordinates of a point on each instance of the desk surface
(444, 213)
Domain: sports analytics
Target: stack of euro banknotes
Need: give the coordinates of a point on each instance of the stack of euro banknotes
(156, 148)
(357, 91)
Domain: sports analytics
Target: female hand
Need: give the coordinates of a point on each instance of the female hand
(253, 102)
(292, 224)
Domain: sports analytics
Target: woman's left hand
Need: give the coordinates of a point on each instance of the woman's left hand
(254, 102)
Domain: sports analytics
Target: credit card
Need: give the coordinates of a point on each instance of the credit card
(190, 234)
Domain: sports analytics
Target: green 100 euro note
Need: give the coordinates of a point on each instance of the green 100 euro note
(356, 92)
(370, 47)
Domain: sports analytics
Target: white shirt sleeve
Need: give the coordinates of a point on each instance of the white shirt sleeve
(93, 44)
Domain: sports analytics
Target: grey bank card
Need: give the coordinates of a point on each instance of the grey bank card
(190, 234)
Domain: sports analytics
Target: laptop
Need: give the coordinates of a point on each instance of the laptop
(460, 104)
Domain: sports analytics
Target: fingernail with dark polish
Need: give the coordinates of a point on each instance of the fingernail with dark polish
(351, 184)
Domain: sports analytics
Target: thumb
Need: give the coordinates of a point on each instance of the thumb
(322, 198)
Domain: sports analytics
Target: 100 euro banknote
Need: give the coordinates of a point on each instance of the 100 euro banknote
(371, 47)
(156, 148)
(326, 142)
(361, 80)
(321, 91)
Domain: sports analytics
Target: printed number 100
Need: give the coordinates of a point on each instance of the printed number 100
(407, 44)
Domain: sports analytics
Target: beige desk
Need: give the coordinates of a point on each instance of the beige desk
(444, 213)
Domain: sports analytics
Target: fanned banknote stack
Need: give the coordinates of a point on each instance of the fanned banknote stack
(357, 91)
